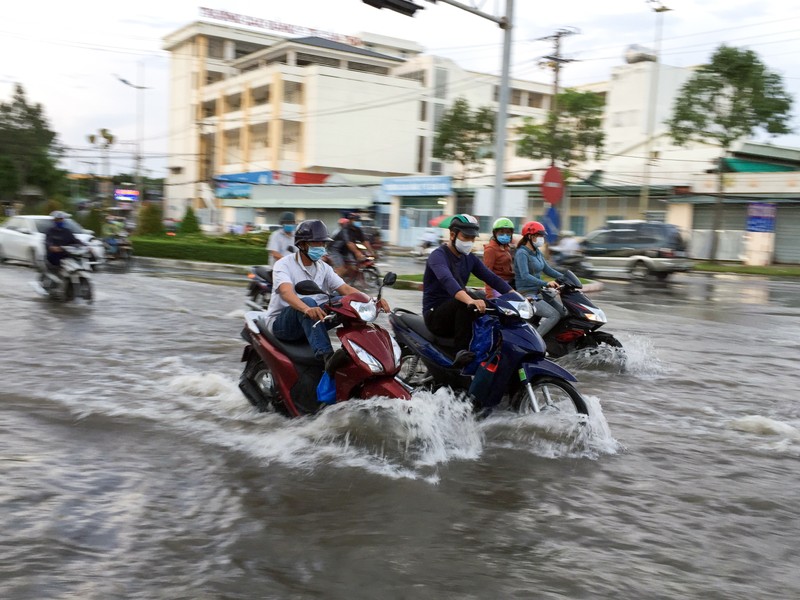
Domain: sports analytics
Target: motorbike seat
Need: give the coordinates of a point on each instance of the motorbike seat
(264, 272)
(298, 352)
(416, 323)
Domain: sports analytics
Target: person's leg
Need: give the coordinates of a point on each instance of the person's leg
(291, 325)
(454, 319)
(550, 316)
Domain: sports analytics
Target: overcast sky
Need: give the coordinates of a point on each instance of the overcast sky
(66, 54)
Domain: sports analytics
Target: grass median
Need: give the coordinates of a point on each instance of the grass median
(248, 249)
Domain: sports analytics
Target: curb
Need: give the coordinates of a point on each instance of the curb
(192, 265)
(404, 284)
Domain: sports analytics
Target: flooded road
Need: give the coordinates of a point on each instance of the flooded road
(133, 467)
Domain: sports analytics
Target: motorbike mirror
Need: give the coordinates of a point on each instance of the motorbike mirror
(291, 249)
(307, 288)
(388, 279)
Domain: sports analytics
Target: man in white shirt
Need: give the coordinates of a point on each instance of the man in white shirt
(291, 317)
(281, 242)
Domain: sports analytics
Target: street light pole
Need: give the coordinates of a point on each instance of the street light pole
(644, 194)
(506, 23)
(139, 124)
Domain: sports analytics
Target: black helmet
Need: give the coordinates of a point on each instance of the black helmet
(312, 231)
(287, 217)
(466, 224)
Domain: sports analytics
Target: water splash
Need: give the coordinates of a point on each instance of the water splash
(392, 438)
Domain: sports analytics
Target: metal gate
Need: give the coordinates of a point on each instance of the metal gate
(730, 245)
(787, 234)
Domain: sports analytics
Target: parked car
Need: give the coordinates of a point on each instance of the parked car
(641, 249)
(22, 238)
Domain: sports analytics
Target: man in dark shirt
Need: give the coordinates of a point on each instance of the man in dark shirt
(58, 236)
(447, 307)
(344, 245)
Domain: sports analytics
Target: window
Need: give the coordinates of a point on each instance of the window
(293, 92)
(365, 68)
(420, 154)
(578, 224)
(414, 76)
(423, 111)
(436, 168)
(440, 83)
(303, 60)
(535, 100)
(516, 97)
(438, 113)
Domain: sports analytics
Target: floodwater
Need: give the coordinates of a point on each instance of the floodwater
(133, 467)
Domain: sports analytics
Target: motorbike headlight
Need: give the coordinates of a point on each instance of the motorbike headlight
(396, 350)
(594, 314)
(523, 308)
(373, 363)
(367, 311)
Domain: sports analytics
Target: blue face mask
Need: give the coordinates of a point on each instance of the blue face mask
(288, 228)
(316, 252)
(356, 223)
(61, 224)
(504, 238)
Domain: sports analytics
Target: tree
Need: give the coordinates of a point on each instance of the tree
(150, 219)
(569, 136)
(190, 224)
(465, 136)
(727, 100)
(29, 150)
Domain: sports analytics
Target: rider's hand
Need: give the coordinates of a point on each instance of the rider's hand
(478, 305)
(315, 313)
(384, 305)
(553, 284)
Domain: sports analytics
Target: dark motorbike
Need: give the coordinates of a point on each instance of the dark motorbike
(578, 328)
(72, 279)
(259, 290)
(514, 369)
(577, 263)
(119, 251)
(284, 375)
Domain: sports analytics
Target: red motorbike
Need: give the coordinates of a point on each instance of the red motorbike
(284, 375)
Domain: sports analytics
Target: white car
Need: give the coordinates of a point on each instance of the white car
(22, 238)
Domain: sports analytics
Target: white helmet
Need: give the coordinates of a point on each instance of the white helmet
(59, 214)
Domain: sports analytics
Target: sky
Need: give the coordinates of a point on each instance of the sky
(70, 56)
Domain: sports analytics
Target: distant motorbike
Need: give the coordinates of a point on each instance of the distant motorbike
(72, 279)
(363, 274)
(515, 369)
(259, 290)
(578, 329)
(119, 250)
(577, 263)
(284, 375)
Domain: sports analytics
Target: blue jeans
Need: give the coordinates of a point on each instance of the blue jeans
(291, 325)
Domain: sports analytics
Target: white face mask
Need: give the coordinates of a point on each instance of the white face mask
(464, 247)
(538, 242)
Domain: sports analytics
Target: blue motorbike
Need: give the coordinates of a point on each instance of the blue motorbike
(510, 365)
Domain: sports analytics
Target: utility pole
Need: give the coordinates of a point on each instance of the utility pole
(554, 61)
(644, 194)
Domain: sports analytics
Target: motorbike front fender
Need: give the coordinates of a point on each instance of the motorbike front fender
(385, 386)
(544, 368)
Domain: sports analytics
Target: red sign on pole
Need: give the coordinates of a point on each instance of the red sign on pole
(552, 186)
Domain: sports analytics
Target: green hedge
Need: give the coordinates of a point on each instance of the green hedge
(199, 250)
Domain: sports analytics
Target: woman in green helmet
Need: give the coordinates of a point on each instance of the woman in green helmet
(497, 254)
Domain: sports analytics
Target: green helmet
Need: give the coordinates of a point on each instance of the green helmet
(466, 224)
(503, 223)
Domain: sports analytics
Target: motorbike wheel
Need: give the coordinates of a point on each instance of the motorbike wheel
(260, 298)
(258, 386)
(86, 290)
(552, 396)
(413, 371)
(372, 278)
(601, 337)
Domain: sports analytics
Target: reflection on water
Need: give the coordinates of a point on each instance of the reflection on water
(133, 466)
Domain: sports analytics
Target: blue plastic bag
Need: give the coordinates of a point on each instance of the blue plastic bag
(326, 389)
(484, 336)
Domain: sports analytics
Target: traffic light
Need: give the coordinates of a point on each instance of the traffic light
(404, 7)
